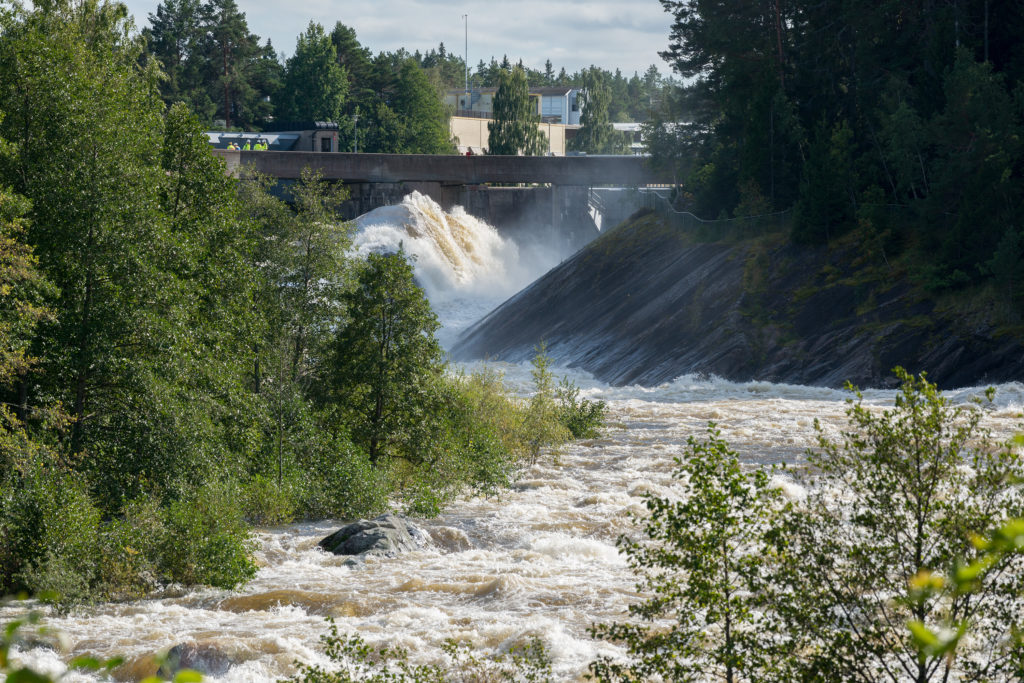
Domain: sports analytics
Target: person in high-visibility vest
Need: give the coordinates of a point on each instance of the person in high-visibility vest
(247, 146)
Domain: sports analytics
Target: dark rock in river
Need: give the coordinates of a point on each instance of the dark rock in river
(645, 304)
(386, 535)
(201, 657)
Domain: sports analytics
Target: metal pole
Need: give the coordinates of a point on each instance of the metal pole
(355, 134)
(465, 18)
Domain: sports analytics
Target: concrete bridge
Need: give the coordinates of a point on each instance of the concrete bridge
(552, 193)
(450, 169)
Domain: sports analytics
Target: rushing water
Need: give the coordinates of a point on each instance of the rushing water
(538, 560)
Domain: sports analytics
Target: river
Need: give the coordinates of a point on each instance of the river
(539, 560)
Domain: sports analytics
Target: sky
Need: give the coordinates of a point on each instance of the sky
(623, 34)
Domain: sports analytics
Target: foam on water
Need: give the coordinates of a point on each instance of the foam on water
(465, 267)
(538, 560)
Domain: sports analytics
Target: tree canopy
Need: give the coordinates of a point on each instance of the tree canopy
(514, 128)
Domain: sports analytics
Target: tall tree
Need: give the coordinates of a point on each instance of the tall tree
(92, 181)
(514, 128)
(173, 38)
(315, 84)
(596, 134)
(386, 360)
(230, 54)
(422, 111)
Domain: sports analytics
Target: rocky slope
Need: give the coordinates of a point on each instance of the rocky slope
(644, 305)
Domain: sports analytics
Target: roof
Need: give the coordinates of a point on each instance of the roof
(295, 126)
(552, 91)
(277, 142)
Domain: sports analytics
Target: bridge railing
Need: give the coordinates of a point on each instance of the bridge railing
(741, 226)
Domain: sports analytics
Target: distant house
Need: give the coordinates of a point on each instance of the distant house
(632, 132)
(286, 136)
(559, 104)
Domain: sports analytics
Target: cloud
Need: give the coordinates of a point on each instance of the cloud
(571, 33)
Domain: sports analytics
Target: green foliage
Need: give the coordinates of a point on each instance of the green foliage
(1007, 265)
(825, 207)
(385, 360)
(212, 62)
(583, 418)
(829, 108)
(205, 540)
(898, 497)
(424, 118)
(365, 663)
(23, 290)
(703, 563)
(342, 483)
(514, 128)
(51, 530)
(315, 84)
(541, 424)
(887, 570)
(596, 135)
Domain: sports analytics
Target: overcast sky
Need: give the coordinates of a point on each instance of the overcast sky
(624, 34)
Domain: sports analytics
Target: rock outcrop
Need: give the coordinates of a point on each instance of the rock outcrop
(644, 304)
(386, 535)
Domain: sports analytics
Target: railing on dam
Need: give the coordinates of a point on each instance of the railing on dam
(590, 171)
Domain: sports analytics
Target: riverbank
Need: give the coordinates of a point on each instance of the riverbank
(646, 303)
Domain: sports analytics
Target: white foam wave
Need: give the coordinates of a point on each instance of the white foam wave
(463, 264)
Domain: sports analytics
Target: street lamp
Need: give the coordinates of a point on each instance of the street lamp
(355, 132)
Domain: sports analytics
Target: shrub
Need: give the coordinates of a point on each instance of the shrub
(702, 560)
(342, 483)
(50, 529)
(900, 493)
(583, 418)
(205, 539)
(541, 426)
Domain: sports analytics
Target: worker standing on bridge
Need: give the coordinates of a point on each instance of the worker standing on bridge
(247, 146)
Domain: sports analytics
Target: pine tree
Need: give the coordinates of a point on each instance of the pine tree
(315, 85)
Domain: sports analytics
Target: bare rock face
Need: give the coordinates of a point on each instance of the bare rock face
(387, 535)
(644, 304)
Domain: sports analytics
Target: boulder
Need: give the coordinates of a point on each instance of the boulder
(202, 657)
(387, 535)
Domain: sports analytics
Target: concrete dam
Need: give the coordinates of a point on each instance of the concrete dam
(513, 193)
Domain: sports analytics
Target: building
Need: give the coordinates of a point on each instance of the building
(471, 134)
(558, 104)
(632, 132)
(287, 136)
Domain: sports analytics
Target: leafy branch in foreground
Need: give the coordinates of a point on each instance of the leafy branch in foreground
(896, 501)
(702, 562)
(13, 634)
(994, 549)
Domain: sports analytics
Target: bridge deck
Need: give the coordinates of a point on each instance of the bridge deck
(623, 171)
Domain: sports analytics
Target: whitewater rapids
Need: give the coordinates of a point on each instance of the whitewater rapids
(539, 560)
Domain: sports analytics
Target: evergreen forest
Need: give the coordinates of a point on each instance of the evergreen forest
(896, 126)
(393, 101)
